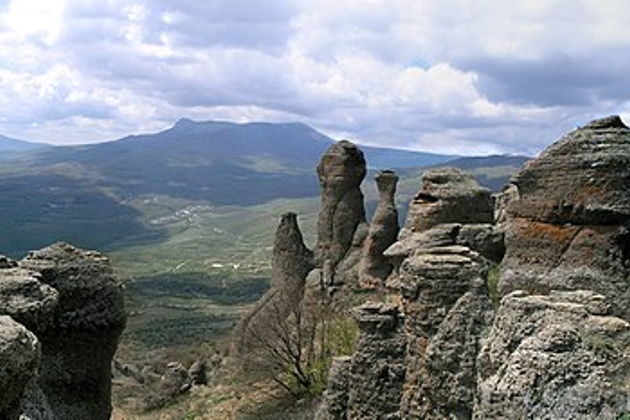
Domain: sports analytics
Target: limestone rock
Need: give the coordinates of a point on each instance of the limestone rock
(19, 360)
(334, 405)
(581, 179)
(483, 238)
(197, 373)
(567, 224)
(341, 171)
(382, 233)
(555, 356)
(291, 260)
(78, 346)
(291, 263)
(446, 384)
(448, 195)
(26, 299)
(378, 364)
(175, 380)
(446, 307)
(6, 262)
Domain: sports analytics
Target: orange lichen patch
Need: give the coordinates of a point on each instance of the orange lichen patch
(590, 193)
(423, 343)
(545, 232)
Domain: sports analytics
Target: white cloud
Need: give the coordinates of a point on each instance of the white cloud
(468, 77)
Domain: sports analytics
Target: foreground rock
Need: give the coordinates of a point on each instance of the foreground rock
(368, 385)
(19, 360)
(72, 303)
(446, 307)
(555, 356)
(567, 221)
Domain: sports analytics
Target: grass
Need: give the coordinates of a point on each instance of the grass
(494, 275)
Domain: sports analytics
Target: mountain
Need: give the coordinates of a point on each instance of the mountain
(221, 162)
(7, 144)
(213, 187)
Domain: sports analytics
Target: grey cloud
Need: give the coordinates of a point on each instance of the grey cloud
(555, 80)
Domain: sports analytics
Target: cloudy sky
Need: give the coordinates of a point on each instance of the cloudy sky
(476, 76)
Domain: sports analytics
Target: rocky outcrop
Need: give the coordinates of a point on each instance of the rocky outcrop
(448, 195)
(341, 171)
(555, 356)
(291, 263)
(383, 230)
(368, 385)
(73, 306)
(334, 405)
(446, 308)
(19, 360)
(567, 221)
(291, 260)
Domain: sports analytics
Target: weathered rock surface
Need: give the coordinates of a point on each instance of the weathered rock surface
(334, 405)
(448, 195)
(568, 216)
(80, 338)
(341, 171)
(26, 299)
(197, 373)
(291, 260)
(555, 356)
(446, 308)
(581, 179)
(374, 267)
(19, 360)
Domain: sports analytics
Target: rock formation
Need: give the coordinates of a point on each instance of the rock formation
(556, 346)
(383, 231)
(556, 356)
(446, 307)
(291, 263)
(73, 306)
(368, 385)
(567, 221)
(448, 195)
(291, 260)
(19, 360)
(341, 171)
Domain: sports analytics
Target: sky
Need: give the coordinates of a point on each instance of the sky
(447, 76)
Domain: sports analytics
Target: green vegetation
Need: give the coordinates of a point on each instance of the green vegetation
(493, 284)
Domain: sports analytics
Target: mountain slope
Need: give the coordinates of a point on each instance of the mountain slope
(221, 162)
(179, 188)
(8, 144)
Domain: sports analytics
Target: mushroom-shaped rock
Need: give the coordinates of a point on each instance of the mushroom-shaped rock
(78, 346)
